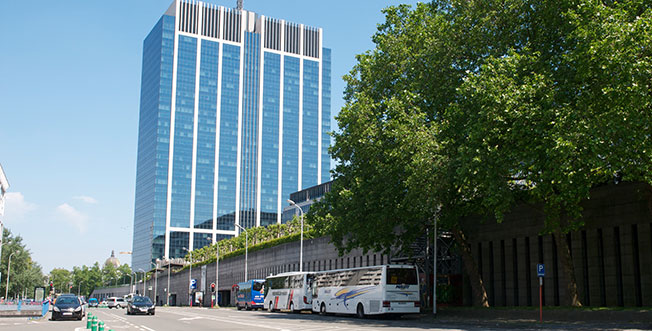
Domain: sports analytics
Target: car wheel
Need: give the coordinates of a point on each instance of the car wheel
(322, 309)
(360, 311)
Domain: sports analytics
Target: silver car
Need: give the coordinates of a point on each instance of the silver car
(114, 302)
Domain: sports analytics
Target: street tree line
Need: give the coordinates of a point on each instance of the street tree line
(83, 280)
(25, 274)
(467, 108)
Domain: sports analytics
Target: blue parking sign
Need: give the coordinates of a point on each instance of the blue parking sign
(541, 270)
(193, 284)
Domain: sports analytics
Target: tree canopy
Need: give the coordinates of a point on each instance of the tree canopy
(468, 107)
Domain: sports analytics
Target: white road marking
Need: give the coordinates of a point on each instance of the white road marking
(146, 328)
(190, 318)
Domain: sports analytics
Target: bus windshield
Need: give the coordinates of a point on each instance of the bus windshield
(397, 276)
(258, 286)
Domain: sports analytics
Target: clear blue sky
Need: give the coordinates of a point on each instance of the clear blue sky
(69, 100)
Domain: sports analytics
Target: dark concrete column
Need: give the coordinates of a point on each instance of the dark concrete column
(627, 264)
(645, 257)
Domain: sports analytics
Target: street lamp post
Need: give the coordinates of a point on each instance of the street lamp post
(155, 279)
(301, 252)
(189, 276)
(167, 290)
(79, 288)
(131, 282)
(217, 271)
(144, 280)
(246, 248)
(8, 272)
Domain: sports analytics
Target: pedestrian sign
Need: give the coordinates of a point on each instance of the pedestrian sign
(541, 271)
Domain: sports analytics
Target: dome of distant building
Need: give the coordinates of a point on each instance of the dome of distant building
(112, 260)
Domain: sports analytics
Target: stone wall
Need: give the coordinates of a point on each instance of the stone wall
(612, 253)
(318, 254)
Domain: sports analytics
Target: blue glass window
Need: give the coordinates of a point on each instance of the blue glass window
(290, 126)
(228, 148)
(153, 139)
(183, 132)
(310, 141)
(326, 114)
(270, 148)
(205, 166)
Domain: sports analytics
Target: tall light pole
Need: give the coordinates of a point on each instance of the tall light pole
(301, 251)
(167, 291)
(217, 270)
(144, 280)
(8, 272)
(79, 289)
(246, 248)
(155, 279)
(131, 282)
(189, 276)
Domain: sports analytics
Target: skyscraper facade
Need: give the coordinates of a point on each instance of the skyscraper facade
(234, 116)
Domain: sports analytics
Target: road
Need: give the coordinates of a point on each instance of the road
(176, 318)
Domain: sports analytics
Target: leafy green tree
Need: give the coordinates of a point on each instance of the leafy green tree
(61, 279)
(25, 273)
(467, 108)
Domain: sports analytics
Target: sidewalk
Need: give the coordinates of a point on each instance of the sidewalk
(553, 318)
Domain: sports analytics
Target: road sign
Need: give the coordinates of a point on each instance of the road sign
(193, 283)
(541, 270)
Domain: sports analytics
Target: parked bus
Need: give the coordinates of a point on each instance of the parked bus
(386, 289)
(289, 290)
(250, 294)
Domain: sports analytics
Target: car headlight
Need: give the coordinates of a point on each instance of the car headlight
(78, 308)
(55, 308)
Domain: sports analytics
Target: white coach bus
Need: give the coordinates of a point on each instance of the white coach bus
(386, 289)
(289, 291)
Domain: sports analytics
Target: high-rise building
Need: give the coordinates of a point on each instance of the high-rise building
(234, 116)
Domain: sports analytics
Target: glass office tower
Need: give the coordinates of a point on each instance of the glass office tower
(234, 116)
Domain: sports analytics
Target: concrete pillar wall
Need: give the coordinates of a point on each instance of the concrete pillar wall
(596, 268)
(645, 258)
(627, 264)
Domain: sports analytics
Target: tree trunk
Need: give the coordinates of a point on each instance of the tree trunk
(479, 292)
(572, 297)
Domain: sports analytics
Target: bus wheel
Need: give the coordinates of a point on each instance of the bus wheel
(322, 309)
(360, 311)
(292, 307)
(238, 306)
(270, 308)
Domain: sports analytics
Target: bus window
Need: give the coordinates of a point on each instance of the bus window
(397, 276)
(258, 286)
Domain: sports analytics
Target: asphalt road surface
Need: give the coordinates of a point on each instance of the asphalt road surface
(197, 319)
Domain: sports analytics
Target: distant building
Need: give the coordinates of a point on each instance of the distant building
(112, 260)
(234, 117)
(305, 199)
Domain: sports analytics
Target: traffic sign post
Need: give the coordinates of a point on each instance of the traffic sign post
(193, 284)
(541, 272)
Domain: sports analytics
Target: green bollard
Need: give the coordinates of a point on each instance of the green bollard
(94, 324)
(89, 320)
(100, 326)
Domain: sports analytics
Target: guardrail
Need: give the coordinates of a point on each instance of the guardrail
(22, 308)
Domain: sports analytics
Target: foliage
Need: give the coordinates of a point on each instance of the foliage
(469, 107)
(25, 273)
(259, 238)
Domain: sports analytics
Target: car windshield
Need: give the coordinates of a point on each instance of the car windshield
(67, 300)
(142, 300)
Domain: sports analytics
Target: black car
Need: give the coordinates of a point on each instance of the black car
(140, 305)
(67, 307)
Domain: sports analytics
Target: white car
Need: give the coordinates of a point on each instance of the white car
(114, 302)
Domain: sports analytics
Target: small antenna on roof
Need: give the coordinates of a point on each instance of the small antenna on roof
(239, 5)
